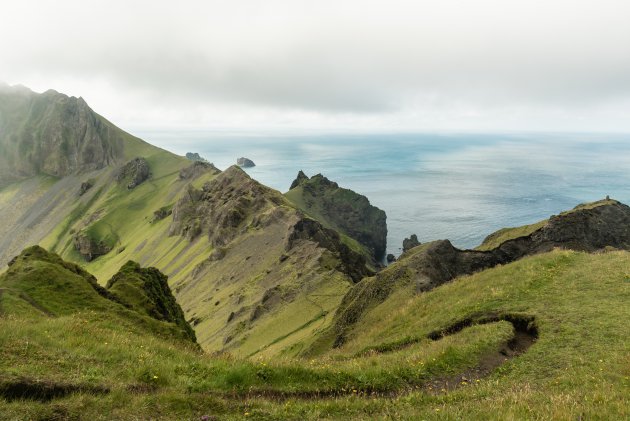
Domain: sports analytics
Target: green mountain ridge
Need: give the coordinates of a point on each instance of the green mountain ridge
(233, 304)
(284, 294)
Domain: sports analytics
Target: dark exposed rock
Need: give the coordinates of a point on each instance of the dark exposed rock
(245, 162)
(344, 210)
(432, 264)
(85, 186)
(134, 172)
(217, 254)
(272, 298)
(411, 242)
(146, 291)
(391, 258)
(351, 262)
(196, 169)
(231, 317)
(161, 213)
(89, 247)
(223, 206)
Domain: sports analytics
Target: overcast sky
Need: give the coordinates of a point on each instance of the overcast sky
(329, 65)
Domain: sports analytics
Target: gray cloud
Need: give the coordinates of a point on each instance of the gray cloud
(378, 59)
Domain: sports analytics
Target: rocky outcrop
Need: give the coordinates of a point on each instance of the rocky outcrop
(53, 134)
(586, 228)
(89, 247)
(134, 173)
(411, 242)
(161, 213)
(342, 210)
(197, 169)
(146, 291)
(85, 186)
(245, 162)
(223, 207)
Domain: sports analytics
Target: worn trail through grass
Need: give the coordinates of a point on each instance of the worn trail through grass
(524, 336)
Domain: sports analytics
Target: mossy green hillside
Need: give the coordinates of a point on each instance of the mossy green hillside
(578, 367)
(211, 288)
(110, 224)
(146, 291)
(41, 284)
(256, 292)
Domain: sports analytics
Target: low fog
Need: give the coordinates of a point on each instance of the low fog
(362, 65)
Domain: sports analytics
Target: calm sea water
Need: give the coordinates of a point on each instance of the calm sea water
(460, 187)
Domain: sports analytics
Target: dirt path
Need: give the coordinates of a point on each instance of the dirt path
(525, 335)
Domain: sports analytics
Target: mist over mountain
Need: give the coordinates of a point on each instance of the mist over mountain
(53, 134)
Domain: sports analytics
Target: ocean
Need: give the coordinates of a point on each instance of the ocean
(459, 187)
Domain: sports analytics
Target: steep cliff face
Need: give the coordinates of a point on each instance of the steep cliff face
(341, 209)
(52, 134)
(589, 227)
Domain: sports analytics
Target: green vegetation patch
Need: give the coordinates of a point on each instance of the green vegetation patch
(146, 290)
(578, 367)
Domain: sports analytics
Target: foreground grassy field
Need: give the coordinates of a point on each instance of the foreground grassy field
(578, 367)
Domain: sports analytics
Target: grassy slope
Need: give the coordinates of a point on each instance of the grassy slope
(578, 368)
(308, 291)
(124, 220)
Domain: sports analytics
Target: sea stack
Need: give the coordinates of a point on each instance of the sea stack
(245, 162)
